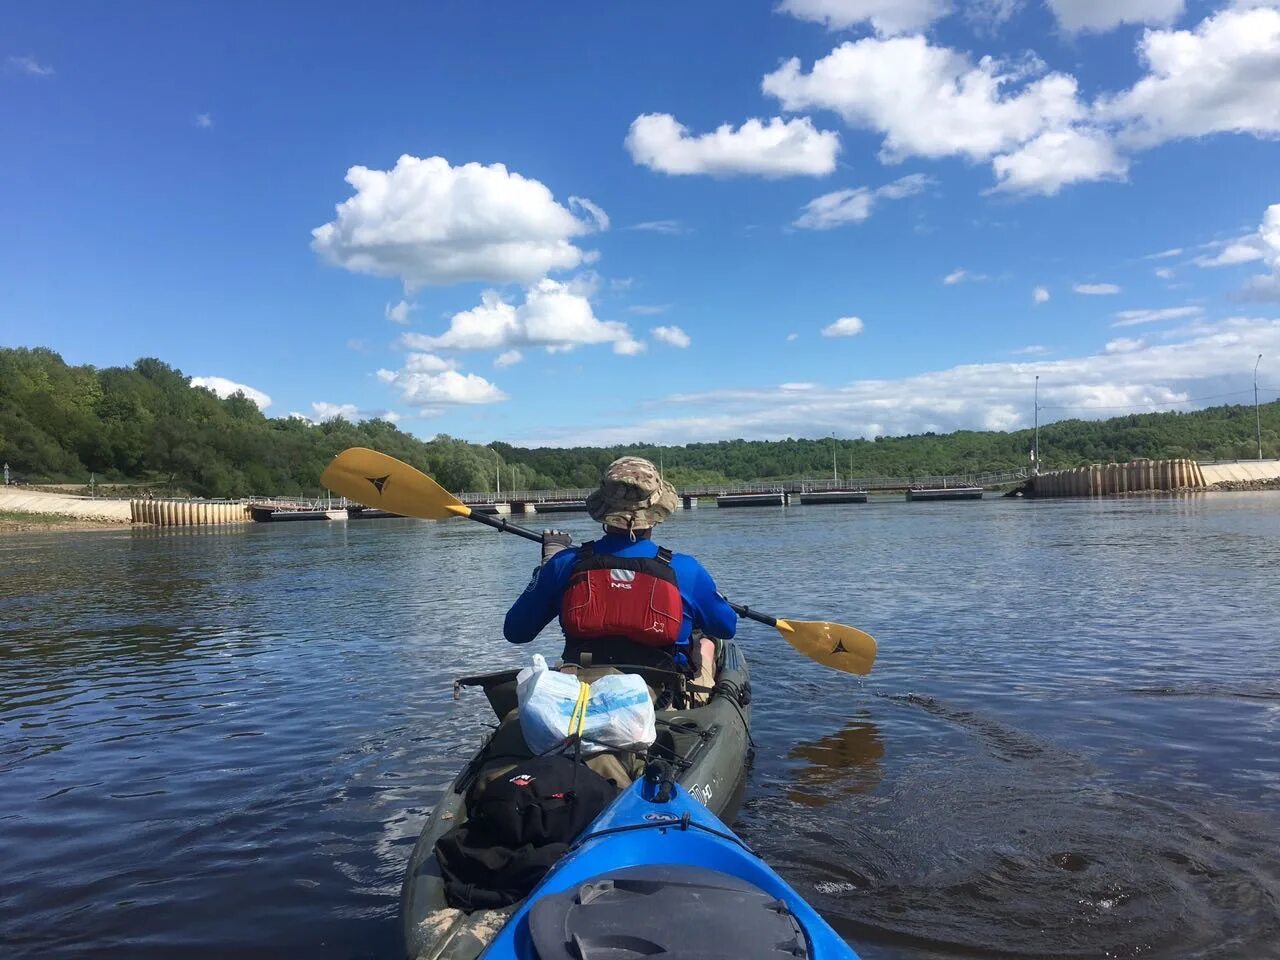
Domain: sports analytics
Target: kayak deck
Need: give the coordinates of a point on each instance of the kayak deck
(708, 745)
(721, 899)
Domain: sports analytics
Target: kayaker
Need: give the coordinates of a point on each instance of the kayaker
(622, 598)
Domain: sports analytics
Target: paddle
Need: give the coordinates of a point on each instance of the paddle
(378, 480)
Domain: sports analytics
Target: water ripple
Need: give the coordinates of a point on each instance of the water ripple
(225, 742)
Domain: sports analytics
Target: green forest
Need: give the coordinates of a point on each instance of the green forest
(146, 424)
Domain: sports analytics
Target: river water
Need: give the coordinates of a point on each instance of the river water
(224, 742)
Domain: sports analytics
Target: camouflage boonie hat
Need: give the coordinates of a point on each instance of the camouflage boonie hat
(632, 496)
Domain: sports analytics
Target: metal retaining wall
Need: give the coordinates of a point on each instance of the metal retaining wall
(188, 513)
(1109, 479)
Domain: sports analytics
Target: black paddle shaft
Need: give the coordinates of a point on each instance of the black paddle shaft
(502, 524)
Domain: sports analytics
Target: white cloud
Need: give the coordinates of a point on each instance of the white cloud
(779, 148)
(347, 411)
(1164, 254)
(629, 347)
(1040, 295)
(929, 101)
(1031, 124)
(903, 187)
(1264, 287)
(1096, 289)
(1232, 254)
(1269, 234)
(226, 388)
(399, 312)
(431, 223)
(648, 310)
(1029, 351)
(1078, 15)
(670, 227)
(507, 358)
(489, 326)
(204, 120)
(554, 315)
(836, 209)
(431, 392)
(962, 276)
(357, 344)
(592, 210)
(330, 411)
(885, 16)
(30, 66)
(844, 327)
(1058, 158)
(1164, 273)
(1208, 360)
(1267, 286)
(792, 337)
(855, 204)
(423, 362)
(932, 101)
(987, 15)
(672, 336)
(802, 385)
(1124, 345)
(1223, 76)
(1130, 318)
(1262, 246)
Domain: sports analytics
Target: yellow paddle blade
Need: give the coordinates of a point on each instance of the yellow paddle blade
(833, 645)
(376, 480)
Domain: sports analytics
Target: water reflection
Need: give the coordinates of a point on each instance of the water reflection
(1067, 747)
(841, 764)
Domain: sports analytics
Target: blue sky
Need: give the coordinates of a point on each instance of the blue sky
(561, 223)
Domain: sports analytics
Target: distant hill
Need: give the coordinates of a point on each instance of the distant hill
(147, 423)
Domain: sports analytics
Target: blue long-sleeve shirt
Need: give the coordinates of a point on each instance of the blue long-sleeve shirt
(540, 603)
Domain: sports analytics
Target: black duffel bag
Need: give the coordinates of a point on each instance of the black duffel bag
(518, 826)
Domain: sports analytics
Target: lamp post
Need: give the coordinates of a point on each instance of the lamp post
(1035, 451)
(1256, 415)
(497, 470)
(835, 474)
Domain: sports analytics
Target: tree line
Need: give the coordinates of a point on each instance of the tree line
(147, 424)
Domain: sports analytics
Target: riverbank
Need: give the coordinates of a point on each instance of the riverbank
(1269, 483)
(11, 522)
(32, 509)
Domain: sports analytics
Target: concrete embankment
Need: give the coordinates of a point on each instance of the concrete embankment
(188, 513)
(55, 504)
(1146, 476)
(1244, 474)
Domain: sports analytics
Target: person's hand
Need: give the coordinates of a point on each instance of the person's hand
(553, 541)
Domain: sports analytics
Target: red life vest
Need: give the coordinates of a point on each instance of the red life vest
(629, 598)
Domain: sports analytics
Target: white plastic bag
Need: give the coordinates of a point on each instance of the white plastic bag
(618, 712)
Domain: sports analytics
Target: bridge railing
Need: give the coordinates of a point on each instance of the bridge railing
(988, 479)
(526, 496)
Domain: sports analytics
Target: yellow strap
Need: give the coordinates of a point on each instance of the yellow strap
(578, 719)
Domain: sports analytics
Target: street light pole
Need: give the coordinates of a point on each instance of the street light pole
(497, 470)
(1035, 458)
(835, 474)
(1256, 415)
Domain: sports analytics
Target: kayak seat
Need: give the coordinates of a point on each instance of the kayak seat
(665, 910)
